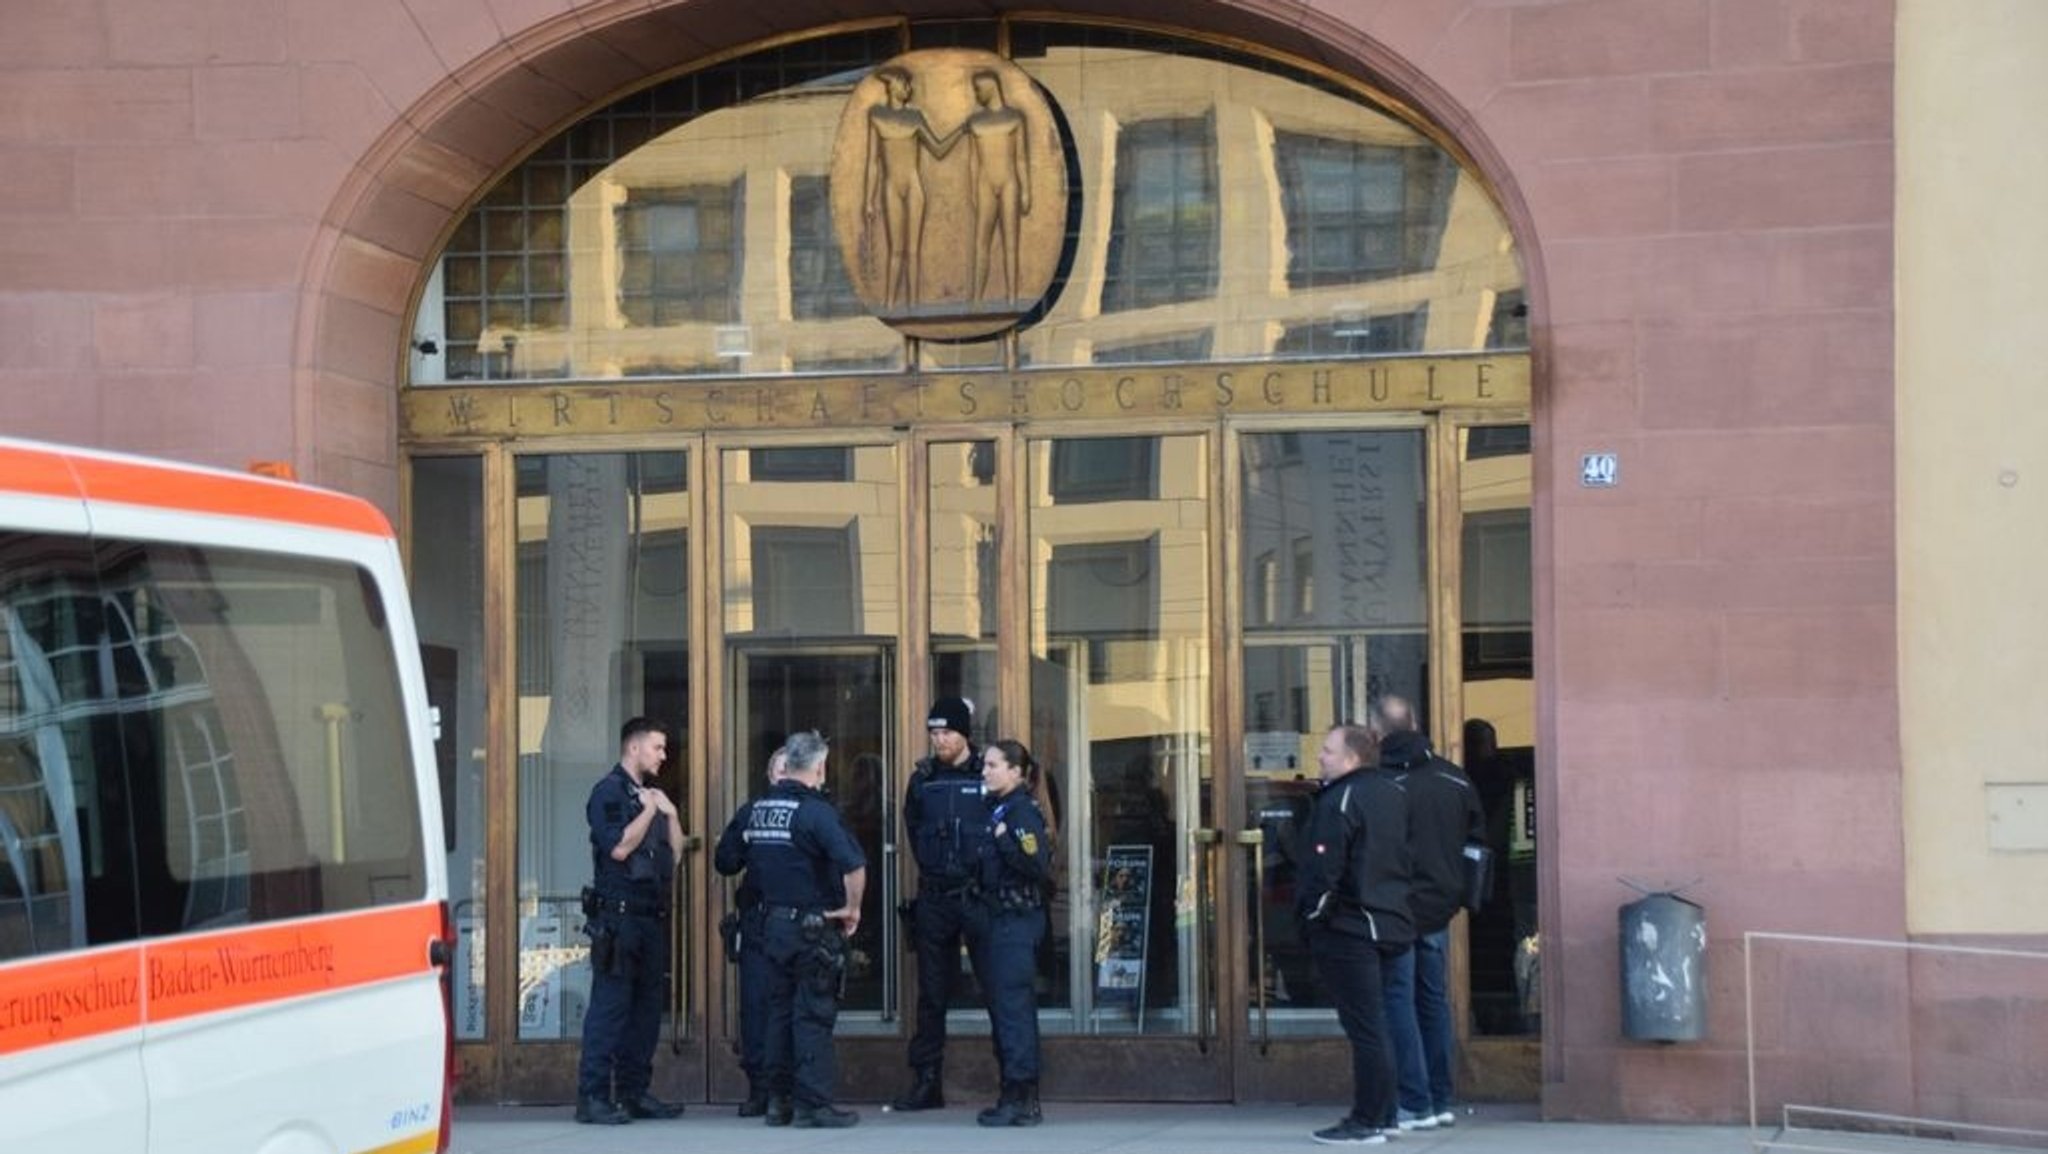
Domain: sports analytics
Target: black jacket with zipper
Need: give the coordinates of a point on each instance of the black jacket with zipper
(1444, 815)
(1354, 856)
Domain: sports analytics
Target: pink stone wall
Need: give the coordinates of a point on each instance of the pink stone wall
(214, 215)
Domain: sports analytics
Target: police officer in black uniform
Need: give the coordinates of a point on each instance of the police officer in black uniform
(946, 820)
(811, 875)
(743, 946)
(1008, 923)
(634, 832)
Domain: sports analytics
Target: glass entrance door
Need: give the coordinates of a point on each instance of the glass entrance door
(1120, 627)
(1334, 590)
(811, 616)
(845, 692)
(602, 635)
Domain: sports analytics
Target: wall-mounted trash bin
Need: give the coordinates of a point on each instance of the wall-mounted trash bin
(1663, 969)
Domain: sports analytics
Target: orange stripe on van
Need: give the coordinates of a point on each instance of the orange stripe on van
(422, 1143)
(36, 472)
(207, 973)
(76, 996)
(63, 999)
(168, 487)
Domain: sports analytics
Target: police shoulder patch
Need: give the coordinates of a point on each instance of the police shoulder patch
(1028, 842)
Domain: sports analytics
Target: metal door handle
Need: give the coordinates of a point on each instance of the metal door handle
(1255, 841)
(1203, 844)
(679, 964)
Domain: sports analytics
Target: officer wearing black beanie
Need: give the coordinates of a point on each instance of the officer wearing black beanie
(946, 819)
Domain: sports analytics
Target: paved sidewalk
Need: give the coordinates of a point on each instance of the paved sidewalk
(1070, 1128)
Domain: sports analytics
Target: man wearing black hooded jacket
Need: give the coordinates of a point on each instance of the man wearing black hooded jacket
(1444, 816)
(1353, 900)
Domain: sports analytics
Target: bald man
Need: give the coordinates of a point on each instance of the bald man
(1444, 816)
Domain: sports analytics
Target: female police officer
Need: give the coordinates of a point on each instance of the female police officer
(1003, 932)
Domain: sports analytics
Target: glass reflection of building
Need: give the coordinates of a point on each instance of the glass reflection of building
(1252, 212)
(1169, 614)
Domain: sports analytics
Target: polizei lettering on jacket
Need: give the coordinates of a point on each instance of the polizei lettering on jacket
(771, 819)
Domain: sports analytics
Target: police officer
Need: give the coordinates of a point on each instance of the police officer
(947, 823)
(731, 858)
(811, 876)
(634, 832)
(1353, 900)
(1007, 924)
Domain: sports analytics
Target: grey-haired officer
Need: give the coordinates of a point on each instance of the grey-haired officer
(731, 858)
(947, 823)
(811, 875)
(634, 832)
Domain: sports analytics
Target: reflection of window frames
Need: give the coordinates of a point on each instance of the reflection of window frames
(1108, 592)
(1498, 653)
(680, 254)
(1164, 351)
(530, 625)
(1163, 239)
(1304, 577)
(800, 465)
(890, 361)
(1483, 441)
(1104, 469)
(1384, 333)
(805, 581)
(1497, 569)
(818, 282)
(1269, 587)
(1361, 212)
(1508, 325)
(506, 271)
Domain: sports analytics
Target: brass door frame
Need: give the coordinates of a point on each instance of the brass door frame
(500, 1066)
(1226, 1057)
(1265, 1068)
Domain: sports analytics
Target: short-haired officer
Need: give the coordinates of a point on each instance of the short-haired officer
(947, 823)
(731, 858)
(1353, 895)
(634, 832)
(812, 876)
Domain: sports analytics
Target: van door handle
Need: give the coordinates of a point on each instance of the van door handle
(440, 952)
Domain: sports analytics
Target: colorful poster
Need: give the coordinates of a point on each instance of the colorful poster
(1122, 926)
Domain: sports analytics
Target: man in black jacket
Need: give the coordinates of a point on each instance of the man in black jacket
(1444, 816)
(1354, 899)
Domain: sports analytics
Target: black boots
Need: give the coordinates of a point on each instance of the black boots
(1017, 1107)
(778, 1111)
(756, 1103)
(600, 1112)
(826, 1117)
(926, 1093)
(646, 1105)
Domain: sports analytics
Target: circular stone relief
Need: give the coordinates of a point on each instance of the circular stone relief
(949, 193)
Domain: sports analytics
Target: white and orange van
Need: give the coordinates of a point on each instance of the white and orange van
(222, 894)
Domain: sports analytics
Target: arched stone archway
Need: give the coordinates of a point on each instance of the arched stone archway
(519, 86)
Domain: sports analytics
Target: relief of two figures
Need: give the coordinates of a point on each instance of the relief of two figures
(894, 199)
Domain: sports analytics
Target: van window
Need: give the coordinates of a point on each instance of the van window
(194, 737)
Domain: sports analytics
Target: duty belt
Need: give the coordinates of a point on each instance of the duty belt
(596, 903)
(947, 888)
(788, 913)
